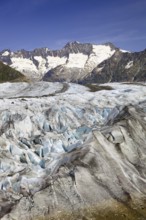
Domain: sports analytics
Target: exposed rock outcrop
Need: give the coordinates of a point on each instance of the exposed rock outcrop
(121, 67)
(8, 74)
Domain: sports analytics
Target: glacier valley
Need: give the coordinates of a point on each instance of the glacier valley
(64, 146)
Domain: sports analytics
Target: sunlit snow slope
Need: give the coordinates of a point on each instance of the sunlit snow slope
(34, 64)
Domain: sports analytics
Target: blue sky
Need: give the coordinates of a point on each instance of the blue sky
(30, 24)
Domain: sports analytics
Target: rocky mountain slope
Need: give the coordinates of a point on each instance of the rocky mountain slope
(121, 67)
(8, 74)
(77, 62)
(64, 147)
(75, 57)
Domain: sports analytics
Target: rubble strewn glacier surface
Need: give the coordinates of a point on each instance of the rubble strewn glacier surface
(45, 127)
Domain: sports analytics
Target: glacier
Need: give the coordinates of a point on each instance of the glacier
(64, 146)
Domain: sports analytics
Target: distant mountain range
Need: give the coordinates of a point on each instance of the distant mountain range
(80, 63)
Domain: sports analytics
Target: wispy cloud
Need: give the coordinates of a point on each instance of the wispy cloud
(121, 37)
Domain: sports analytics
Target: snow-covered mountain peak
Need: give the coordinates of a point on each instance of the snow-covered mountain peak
(74, 56)
(5, 53)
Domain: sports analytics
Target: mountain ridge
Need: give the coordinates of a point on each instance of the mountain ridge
(79, 63)
(36, 63)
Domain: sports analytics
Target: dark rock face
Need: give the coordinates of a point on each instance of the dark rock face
(76, 47)
(116, 68)
(63, 74)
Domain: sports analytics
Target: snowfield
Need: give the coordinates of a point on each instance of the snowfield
(35, 66)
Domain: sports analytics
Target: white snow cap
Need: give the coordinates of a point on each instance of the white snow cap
(6, 53)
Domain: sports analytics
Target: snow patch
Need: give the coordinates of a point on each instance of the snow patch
(6, 53)
(102, 52)
(99, 69)
(47, 49)
(99, 54)
(129, 64)
(23, 65)
(125, 51)
(42, 64)
(77, 60)
(55, 61)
